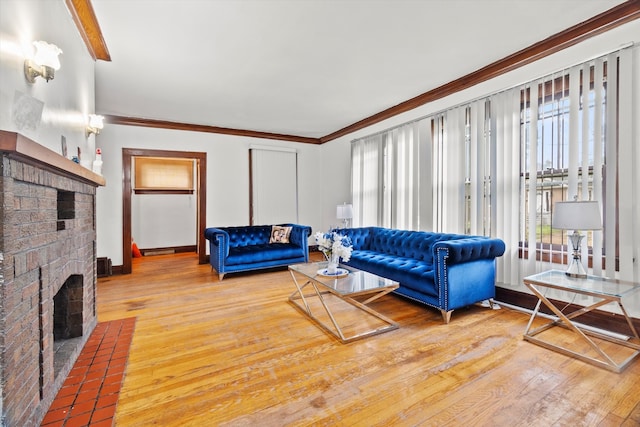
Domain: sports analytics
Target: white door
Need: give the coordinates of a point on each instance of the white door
(274, 186)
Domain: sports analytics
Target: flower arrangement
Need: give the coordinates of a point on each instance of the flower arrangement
(334, 246)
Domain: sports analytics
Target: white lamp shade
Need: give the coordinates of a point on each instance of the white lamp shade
(95, 121)
(47, 54)
(577, 216)
(344, 211)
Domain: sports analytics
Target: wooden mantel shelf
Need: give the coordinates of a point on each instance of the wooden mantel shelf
(18, 146)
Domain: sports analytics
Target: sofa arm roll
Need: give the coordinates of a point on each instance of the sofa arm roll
(299, 234)
(465, 250)
(218, 238)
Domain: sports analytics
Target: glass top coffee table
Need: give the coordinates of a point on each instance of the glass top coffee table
(331, 301)
(602, 291)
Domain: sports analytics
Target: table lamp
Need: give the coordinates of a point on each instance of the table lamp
(576, 216)
(345, 213)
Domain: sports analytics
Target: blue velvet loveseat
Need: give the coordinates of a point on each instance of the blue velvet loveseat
(234, 249)
(445, 271)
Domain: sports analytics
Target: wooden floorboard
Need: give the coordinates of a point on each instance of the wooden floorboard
(238, 353)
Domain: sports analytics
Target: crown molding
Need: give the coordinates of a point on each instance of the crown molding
(85, 19)
(164, 124)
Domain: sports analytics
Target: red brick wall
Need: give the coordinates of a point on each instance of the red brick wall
(36, 258)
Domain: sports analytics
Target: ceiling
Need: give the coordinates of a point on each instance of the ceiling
(307, 67)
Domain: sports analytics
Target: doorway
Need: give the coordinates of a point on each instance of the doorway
(201, 187)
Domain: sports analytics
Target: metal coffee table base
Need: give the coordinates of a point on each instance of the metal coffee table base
(300, 301)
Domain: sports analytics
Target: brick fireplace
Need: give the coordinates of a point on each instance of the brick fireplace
(47, 274)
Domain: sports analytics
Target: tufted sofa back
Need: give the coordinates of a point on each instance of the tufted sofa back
(409, 244)
(403, 243)
(248, 235)
(359, 236)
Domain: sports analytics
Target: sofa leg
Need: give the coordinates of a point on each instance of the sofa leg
(220, 276)
(446, 315)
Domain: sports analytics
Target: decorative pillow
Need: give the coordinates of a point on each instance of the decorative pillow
(279, 234)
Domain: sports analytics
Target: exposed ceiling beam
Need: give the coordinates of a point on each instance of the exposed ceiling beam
(85, 19)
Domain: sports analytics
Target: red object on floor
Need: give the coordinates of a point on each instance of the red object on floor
(135, 252)
(90, 393)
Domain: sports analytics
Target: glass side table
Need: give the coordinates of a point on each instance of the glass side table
(603, 291)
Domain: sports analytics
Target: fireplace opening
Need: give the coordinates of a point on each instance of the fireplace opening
(67, 320)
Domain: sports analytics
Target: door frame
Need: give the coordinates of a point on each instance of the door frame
(201, 208)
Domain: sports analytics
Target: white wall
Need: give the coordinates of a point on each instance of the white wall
(227, 178)
(69, 98)
(164, 220)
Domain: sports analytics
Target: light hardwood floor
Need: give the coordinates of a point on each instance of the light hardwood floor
(237, 353)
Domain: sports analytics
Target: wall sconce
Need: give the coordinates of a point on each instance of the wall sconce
(44, 63)
(96, 123)
(345, 213)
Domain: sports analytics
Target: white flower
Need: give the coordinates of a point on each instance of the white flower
(334, 243)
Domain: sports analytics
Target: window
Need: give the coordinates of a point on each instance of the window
(163, 175)
(563, 123)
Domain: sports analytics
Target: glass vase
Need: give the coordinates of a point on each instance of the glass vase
(332, 266)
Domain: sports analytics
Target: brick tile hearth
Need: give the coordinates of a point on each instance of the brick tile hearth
(90, 392)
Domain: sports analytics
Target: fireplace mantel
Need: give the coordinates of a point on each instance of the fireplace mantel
(20, 147)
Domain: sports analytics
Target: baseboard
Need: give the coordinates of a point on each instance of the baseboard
(168, 250)
(598, 318)
(117, 269)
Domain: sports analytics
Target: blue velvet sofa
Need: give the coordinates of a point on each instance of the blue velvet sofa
(445, 271)
(245, 248)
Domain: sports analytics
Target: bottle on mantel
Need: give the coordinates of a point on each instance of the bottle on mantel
(97, 163)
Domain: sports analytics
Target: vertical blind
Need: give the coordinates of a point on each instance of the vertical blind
(497, 165)
(391, 179)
